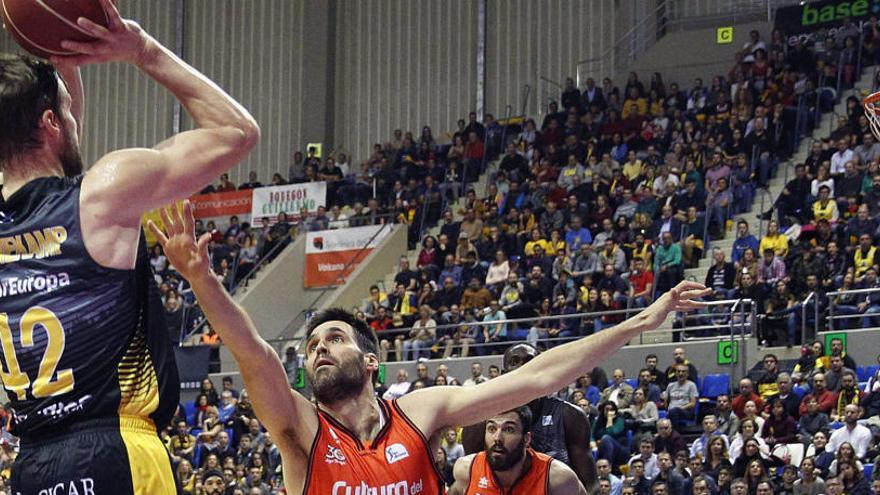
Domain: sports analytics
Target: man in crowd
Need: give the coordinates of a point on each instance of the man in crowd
(681, 397)
(746, 394)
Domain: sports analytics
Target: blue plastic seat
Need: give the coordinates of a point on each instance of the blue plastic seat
(189, 408)
(866, 372)
(715, 385)
(633, 382)
(869, 469)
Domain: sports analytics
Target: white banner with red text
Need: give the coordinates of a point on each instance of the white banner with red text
(331, 255)
(290, 199)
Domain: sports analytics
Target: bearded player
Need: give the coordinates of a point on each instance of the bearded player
(509, 466)
(352, 442)
(86, 360)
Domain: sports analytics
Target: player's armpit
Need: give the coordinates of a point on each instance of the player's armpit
(577, 442)
(563, 481)
(461, 472)
(127, 183)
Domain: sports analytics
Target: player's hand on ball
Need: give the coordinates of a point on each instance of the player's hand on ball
(188, 255)
(121, 41)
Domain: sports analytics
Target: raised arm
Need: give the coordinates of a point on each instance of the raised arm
(287, 415)
(179, 166)
(431, 409)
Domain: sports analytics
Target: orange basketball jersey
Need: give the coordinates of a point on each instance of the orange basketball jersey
(535, 481)
(397, 462)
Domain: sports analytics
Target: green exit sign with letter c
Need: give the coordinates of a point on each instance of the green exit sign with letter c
(728, 352)
(724, 35)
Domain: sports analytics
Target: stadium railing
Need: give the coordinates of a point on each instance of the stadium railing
(849, 315)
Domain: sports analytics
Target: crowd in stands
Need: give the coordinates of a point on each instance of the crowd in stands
(797, 431)
(617, 191)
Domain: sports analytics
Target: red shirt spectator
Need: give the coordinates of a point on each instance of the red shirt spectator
(381, 324)
(827, 399)
(746, 393)
(641, 280)
(473, 150)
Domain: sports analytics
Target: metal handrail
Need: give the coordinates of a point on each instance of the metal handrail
(804, 315)
(527, 90)
(551, 81)
(853, 291)
(832, 302)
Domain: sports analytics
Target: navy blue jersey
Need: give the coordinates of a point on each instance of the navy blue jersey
(79, 341)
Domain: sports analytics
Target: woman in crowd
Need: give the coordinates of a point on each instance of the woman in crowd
(643, 414)
(755, 473)
(428, 254)
(186, 477)
(751, 451)
(716, 457)
(498, 272)
(609, 432)
(809, 483)
(854, 481)
(780, 427)
(751, 412)
(845, 454)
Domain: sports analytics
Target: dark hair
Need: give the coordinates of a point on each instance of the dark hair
(28, 87)
(364, 335)
(525, 417)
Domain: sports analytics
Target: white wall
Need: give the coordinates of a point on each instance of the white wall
(528, 39)
(402, 64)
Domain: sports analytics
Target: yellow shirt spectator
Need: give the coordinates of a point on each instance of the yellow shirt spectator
(828, 211)
(778, 243)
(633, 169)
(640, 104)
(544, 243)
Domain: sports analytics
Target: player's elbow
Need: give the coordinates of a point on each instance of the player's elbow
(249, 132)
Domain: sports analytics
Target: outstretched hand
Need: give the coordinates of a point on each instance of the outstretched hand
(679, 298)
(188, 255)
(121, 41)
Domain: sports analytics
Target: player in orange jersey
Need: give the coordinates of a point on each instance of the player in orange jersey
(509, 466)
(353, 443)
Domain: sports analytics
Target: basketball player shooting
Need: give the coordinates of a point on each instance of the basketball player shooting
(86, 360)
(353, 442)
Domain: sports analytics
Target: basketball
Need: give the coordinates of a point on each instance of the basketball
(40, 26)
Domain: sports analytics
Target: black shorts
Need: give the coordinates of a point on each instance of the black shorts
(121, 456)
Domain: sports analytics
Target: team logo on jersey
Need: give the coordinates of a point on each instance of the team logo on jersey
(395, 452)
(484, 482)
(547, 421)
(334, 456)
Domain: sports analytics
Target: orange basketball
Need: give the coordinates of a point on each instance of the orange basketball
(40, 26)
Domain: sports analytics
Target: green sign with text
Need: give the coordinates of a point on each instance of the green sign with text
(728, 352)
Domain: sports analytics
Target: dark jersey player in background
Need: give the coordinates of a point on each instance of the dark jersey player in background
(559, 429)
(85, 362)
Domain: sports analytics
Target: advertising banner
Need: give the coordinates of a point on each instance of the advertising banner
(331, 255)
(222, 204)
(804, 20)
(290, 199)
